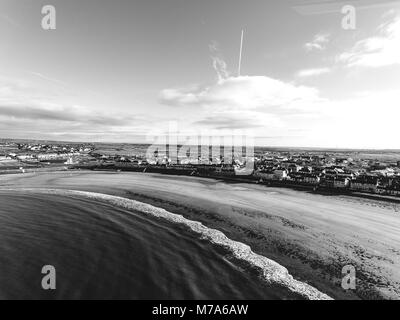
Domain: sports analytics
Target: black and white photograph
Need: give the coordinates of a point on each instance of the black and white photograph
(205, 152)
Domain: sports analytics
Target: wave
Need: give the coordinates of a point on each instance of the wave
(271, 271)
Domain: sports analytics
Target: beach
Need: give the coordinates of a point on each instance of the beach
(314, 236)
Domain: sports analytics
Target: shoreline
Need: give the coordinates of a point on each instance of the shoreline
(287, 235)
(273, 276)
(252, 239)
(227, 179)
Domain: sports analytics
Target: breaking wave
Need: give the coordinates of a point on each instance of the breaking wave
(271, 271)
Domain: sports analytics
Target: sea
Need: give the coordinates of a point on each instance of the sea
(105, 247)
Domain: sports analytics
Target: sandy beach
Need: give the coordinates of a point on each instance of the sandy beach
(312, 235)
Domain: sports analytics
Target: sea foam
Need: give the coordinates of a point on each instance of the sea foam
(271, 271)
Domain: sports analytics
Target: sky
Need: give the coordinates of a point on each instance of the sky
(128, 70)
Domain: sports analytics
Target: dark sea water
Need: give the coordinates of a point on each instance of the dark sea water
(105, 252)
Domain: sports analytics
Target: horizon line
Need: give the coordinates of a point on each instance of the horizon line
(255, 146)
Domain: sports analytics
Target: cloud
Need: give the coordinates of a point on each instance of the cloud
(245, 92)
(46, 78)
(291, 114)
(319, 42)
(77, 123)
(229, 121)
(313, 72)
(10, 20)
(218, 62)
(243, 102)
(28, 110)
(52, 112)
(378, 51)
(367, 120)
(182, 96)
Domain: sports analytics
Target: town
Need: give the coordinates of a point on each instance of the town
(344, 171)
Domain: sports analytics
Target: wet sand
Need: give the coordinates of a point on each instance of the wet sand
(312, 235)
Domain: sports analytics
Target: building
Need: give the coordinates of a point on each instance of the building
(341, 183)
(280, 174)
(296, 177)
(24, 157)
(303, 177)
(389, 186)
(312, 179)
(225, 170)
(365, 183)
(264, 174)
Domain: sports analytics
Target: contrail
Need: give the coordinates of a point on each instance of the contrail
(240, 53)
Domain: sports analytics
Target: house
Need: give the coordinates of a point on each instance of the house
(310, 178)
(365, 183)
(296, 177)
(294, 167)
(303, 177)
(345, 174)
(23, 157)
(390, 186)
(306, 169)
(393, 192)
(264, 174)
(225, 170)
(291, 166)
(333, 182)
(332, 172)
(341, 183)
(280, 174)
(337, 172)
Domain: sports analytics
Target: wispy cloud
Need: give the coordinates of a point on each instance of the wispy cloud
(47, 78)
(319, 42)
(312, 72)
(25, 108)
(229, 122)
(218, 62)
(52, 112)
(377, 51)
(10, 20)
